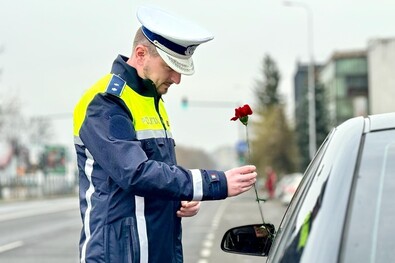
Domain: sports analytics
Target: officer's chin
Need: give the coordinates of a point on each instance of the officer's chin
(163, 89)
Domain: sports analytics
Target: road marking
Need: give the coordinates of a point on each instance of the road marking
(205, 252)
(208, 242)
(210, 236)
(10, 246)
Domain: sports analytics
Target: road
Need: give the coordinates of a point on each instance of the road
(203, 233)
(48, 230)
(39, 231)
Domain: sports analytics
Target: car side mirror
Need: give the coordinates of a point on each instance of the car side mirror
(253, 240)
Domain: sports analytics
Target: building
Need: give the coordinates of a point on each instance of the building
(351, 83)
(301, 86)
(381, 57)
(345, 80)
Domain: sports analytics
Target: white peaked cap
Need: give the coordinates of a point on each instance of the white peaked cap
(175, 39)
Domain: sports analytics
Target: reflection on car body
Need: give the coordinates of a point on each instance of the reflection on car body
(344, 206)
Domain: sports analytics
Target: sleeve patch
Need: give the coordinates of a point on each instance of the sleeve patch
(214, 178)
(116, 86)
(121, 128)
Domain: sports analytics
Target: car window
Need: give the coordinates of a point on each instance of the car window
(370, 232)
(288, 247)
(306, 215)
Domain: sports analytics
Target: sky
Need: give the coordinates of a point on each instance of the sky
(52, 51)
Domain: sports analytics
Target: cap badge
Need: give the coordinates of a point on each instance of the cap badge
(190, 49)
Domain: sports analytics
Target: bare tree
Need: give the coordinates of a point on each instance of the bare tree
(11, 120)
(40, 130)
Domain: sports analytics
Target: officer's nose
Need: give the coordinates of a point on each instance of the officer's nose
(175, 77)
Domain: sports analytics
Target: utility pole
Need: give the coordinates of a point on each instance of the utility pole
(311, 75)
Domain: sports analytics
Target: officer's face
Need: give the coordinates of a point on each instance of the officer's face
(161, 74)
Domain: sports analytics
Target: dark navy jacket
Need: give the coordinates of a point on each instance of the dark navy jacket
(130, 184)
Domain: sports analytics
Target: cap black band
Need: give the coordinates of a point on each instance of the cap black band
(184, 51)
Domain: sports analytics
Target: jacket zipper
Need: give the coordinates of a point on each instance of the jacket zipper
(160, 116)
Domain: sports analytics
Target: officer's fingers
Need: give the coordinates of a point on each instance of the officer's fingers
(191, 204)
(248, 177)
(243, 169)
(184, 214)
(247, 180)
(188, 211)
(193, 207)
(240, 183)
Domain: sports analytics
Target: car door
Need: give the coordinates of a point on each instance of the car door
(312, 226)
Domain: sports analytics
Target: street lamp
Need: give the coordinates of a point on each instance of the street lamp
(311, 78)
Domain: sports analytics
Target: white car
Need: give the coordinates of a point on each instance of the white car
(344, 208)
(288, 189)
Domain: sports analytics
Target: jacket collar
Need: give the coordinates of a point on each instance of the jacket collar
(144, 87)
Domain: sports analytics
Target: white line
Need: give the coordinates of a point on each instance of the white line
(205, 252)
(10, 246)
(208, 242)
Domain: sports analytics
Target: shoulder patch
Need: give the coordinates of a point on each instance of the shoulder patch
(116, 86)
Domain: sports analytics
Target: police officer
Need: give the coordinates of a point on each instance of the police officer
(132, 193)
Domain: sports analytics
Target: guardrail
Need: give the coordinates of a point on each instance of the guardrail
(36, 185)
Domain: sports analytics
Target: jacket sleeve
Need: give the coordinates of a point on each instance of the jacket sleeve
(109, 136)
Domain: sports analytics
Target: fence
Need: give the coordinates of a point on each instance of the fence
(36, 185)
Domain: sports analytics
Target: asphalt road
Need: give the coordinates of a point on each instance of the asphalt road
(48, 230)
(203, 233)
(39, 231)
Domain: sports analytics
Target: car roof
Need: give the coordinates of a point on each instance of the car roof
(380, 122)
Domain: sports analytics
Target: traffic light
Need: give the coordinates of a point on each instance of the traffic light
(242, 150)
(184, 103)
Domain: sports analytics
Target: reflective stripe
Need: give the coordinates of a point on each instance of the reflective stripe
(88, 172)
(78, 141)
(147, 134)
(197, 184)
(141, 228)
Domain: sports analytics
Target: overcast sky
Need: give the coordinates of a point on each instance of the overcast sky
(54, 50)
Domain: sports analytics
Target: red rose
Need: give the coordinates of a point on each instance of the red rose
(242, 113)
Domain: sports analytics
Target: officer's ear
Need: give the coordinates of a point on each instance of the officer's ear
(140, 54)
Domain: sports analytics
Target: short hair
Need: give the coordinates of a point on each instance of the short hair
(141, 39)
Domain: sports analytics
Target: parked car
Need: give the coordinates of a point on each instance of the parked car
(287, 186)
(344, 207)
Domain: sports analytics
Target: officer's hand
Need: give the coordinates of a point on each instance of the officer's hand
(240, 179)
(188, 208)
